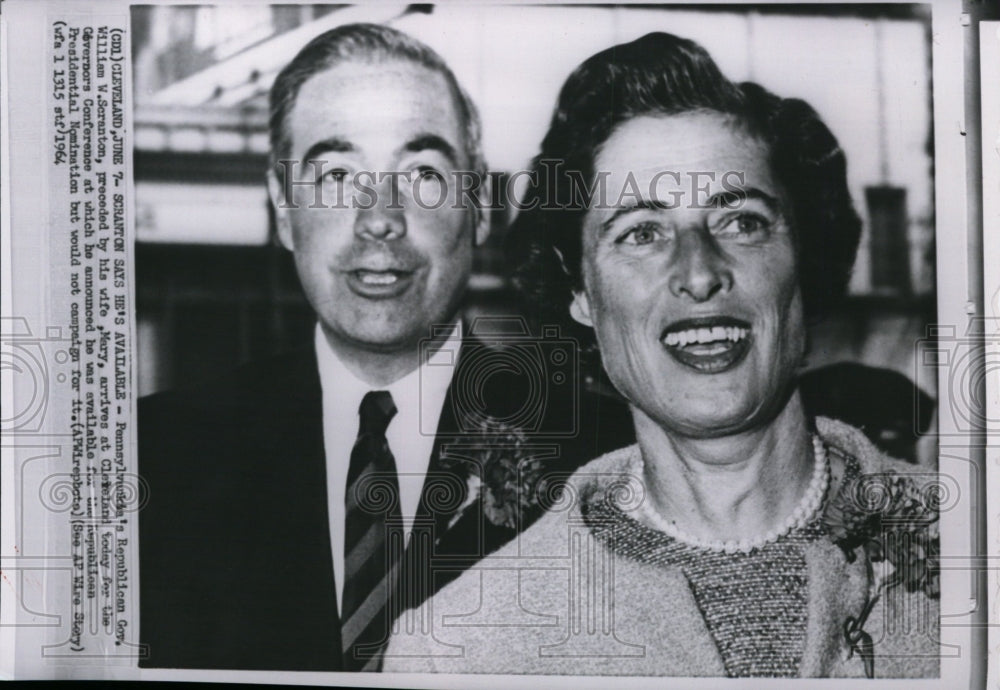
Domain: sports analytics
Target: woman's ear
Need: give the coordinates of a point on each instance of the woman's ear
(579, 309)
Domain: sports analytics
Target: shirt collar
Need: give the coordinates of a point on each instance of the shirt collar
(431, 378)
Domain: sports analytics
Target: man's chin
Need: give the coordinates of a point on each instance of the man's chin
(375, 341)
(382, 336)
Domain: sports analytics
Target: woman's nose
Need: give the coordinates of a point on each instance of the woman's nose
(383, 219)
(698, 269)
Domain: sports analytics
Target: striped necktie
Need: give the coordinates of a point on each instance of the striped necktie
(373, 538)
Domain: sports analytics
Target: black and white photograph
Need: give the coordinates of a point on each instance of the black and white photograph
(503, 340)
(706, 254)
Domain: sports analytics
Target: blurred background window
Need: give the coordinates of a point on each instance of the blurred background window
(214, 289)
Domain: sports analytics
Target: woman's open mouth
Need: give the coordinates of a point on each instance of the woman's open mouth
(708, 345)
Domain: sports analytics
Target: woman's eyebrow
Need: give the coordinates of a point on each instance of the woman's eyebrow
(725, 199)
(639, 205)
(734, 199)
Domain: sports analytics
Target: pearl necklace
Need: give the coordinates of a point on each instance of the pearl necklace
(805, 511)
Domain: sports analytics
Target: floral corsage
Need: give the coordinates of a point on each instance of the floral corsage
(502, 473)
(895, 524)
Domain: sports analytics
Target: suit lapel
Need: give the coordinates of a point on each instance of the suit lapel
(440, 471)
(451, 521)
(433, 516)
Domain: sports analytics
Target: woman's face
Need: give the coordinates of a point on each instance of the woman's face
(689, 274)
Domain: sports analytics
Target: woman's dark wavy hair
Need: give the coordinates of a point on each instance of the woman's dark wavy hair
(664, 74)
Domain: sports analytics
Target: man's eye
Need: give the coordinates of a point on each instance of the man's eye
(337, 175)
(640, 234)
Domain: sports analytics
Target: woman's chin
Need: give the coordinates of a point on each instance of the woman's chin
(696, 421)
(715, 416)
(717, 426)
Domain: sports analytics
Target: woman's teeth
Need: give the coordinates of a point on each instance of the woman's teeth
(702, 336)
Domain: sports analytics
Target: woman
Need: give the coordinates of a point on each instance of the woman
(736, 538)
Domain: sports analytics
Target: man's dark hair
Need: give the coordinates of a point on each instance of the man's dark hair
(367, 43)
(662, 74)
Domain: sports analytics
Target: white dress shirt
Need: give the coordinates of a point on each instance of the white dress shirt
(418, 396)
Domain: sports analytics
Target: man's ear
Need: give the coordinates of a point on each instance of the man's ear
(281, 219)
(579, 309)
(482, 218)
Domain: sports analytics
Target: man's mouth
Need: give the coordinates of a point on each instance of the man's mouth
(378, 284)
(708, 344)
(377, 277)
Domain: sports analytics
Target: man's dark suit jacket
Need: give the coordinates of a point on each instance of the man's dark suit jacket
(236, 569)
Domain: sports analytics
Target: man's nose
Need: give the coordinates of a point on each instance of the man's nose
(698, 268)
(383, 219)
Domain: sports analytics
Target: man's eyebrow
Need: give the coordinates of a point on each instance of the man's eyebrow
(329, 145)
(432, 142)
(733, 199)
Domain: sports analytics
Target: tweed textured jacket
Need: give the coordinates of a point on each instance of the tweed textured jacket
(558, 601)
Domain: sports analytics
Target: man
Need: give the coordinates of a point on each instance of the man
(297, 506)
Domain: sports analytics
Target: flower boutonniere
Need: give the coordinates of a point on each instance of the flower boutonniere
(889, 519)
(503, 472)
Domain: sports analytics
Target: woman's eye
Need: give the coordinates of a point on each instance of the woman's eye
(640, 234)
(745, 224)
(428, 173)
